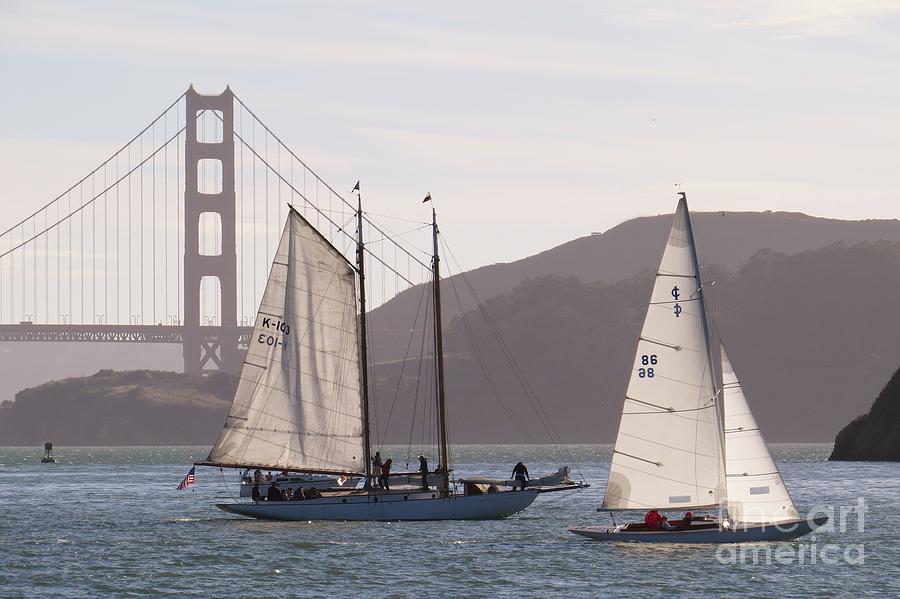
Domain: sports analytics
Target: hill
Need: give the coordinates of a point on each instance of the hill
(811, 335)
(141, 407)
(728, 239)
(874, 436)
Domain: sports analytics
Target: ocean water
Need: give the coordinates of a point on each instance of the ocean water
(109, 522)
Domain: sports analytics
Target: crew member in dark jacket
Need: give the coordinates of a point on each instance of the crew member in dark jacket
(520, 473)
(423, 468)
(274, 493)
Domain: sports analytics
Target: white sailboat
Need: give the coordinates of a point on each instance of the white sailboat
(302, 401)
(675, 449)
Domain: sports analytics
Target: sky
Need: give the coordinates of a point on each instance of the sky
(531, 123)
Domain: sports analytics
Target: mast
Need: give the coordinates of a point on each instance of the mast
(363, 356)
(444, 455)
(712, 372)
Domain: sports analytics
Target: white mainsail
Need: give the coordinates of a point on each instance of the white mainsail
(756, 491)
(668, 452)
(298, 404)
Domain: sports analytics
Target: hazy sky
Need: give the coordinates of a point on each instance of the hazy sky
(530, 123)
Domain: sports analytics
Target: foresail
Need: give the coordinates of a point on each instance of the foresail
(756, 491)
(298, 403)
(668, 452)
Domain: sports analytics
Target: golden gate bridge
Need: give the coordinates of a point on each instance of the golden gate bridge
(169, 240)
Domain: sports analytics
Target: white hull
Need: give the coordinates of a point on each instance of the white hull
(395, 506)
(749, 533)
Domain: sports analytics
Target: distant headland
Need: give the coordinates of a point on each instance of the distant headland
(138, 407)
(874, 436)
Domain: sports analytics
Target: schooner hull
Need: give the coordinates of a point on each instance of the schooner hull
(750, 533)
(394, 507)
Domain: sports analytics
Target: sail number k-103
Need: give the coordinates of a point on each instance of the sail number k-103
(647, 371)
(273, 325)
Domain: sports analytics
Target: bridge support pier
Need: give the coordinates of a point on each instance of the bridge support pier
(204, 352)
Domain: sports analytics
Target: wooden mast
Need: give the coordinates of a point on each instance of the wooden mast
(363, 348)
(444, 456)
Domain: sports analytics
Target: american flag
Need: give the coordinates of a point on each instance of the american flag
(188, 480)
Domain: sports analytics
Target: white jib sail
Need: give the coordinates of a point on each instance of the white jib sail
(756, 492)
(298, 404)
(668, 452)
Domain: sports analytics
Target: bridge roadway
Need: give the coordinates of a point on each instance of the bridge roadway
(27, 332)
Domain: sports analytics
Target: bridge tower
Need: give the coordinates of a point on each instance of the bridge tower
(209, 348)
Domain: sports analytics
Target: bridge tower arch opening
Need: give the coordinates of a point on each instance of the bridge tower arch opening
(208, 347)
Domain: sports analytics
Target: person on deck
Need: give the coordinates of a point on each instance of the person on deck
(664, 524)
(257, 476)
(385, 474)
(376, 467)
(256, 495)
(274, 493)
(520, 473)
(688, 518)
(423, 468)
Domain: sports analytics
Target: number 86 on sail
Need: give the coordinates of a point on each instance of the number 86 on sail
(647, 371)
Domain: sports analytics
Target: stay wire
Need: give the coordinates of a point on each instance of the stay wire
(403, 366)
(543, 416)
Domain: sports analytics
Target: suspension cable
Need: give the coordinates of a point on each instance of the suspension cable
(103, 164)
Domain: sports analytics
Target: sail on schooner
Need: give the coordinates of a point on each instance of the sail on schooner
(302, 403)
(675, 449)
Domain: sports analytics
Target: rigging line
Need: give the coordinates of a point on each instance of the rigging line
(224, 484)
(637, 458)
(403, 366)
(141, 226)
(72, 213)
(322, 213)
(662, 343)
(178, 214)
(407, 220)
(104, 163)
(670, 411)
(165, 226)
(543, 416)
(400, 235)
(562, 450)
(484, 367)
(421, 364)
(373, 388)
(681, 301)
(322, 181)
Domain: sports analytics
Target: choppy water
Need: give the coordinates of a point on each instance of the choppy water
(108, 521)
